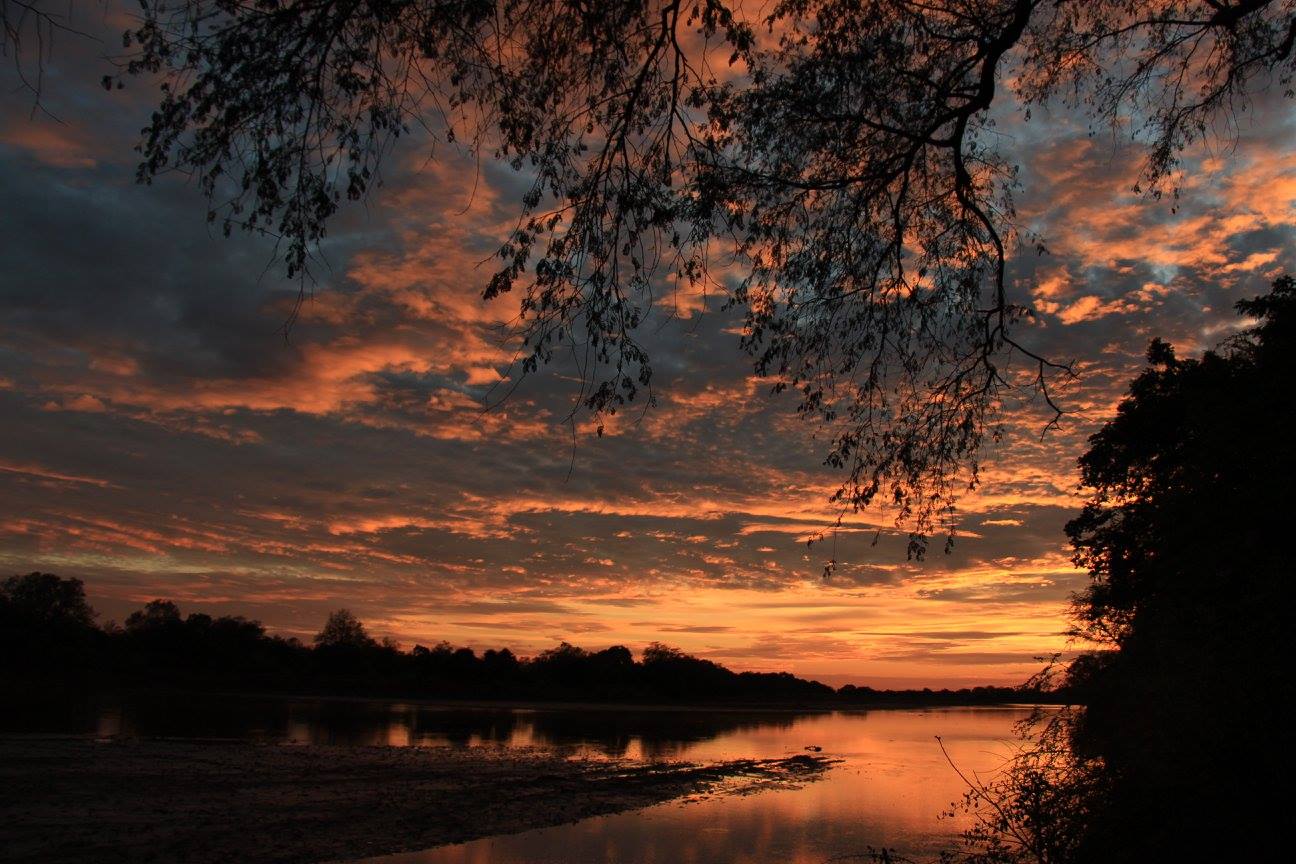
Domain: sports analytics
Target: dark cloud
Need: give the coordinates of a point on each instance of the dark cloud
(161, 438)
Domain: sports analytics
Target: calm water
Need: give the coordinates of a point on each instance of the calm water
(890, 789)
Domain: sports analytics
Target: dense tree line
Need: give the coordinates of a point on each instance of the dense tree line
(49, 641)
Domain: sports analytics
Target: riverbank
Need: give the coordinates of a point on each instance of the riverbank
(74, 799)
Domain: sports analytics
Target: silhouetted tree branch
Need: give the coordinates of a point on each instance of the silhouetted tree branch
(27, 31)
(839, 153)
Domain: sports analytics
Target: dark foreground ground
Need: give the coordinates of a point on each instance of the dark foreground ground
(77, 800)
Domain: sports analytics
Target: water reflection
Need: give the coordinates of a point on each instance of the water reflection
(891, 790)
(614, 733)
(892, 785)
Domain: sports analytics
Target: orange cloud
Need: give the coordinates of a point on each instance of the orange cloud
(42, 473)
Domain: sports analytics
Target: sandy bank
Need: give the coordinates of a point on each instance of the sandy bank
(77, 800)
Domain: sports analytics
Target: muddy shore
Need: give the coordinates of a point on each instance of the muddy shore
(68, 799)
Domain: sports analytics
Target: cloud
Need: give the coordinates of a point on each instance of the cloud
(46, 474)
(164, 438)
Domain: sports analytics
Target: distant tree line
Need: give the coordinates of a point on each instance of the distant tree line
(49, 643)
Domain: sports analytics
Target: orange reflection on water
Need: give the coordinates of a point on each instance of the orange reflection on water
(890, 790)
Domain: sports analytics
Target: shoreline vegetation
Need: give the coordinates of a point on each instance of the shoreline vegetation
(73, 799)
(55, 650)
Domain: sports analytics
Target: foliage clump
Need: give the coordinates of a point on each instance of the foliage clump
(1178, 748)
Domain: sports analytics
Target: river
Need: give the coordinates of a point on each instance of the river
(890, 788)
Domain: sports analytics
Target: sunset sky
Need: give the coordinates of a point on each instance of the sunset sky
(159, 439)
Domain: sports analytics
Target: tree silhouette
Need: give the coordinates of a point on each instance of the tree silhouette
(840, 153)
(47, 631)
(1181, 734)
(156, 615)
(343, 629)
(1183, 538)
(45, 600)
(840, 156)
